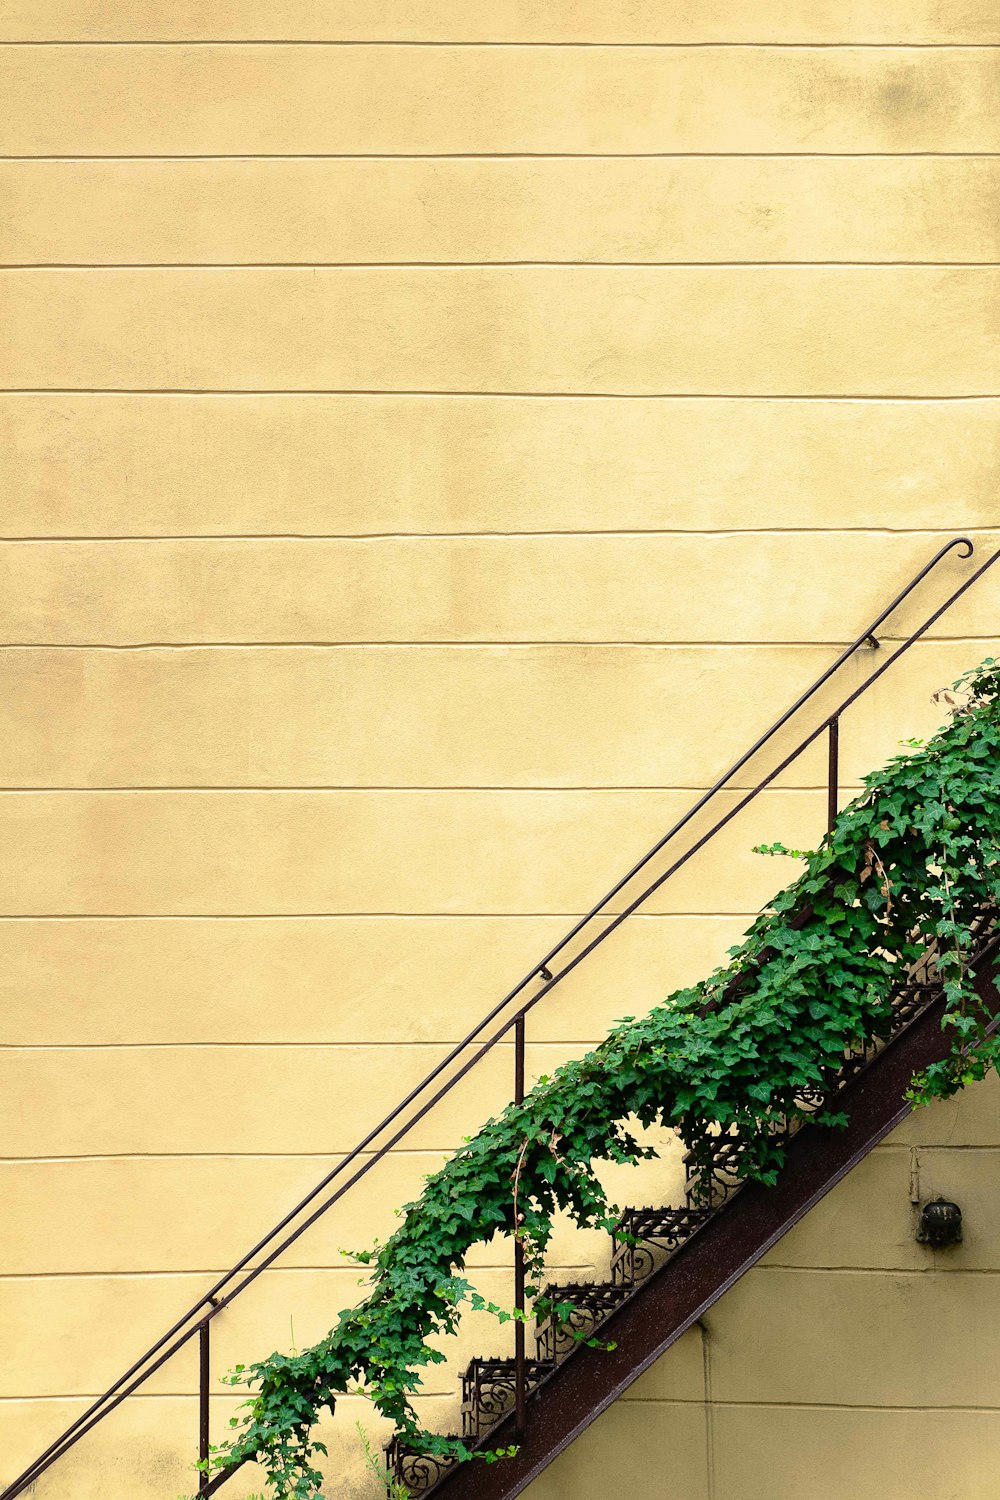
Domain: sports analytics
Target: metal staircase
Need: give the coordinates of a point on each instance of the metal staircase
(667, 1266)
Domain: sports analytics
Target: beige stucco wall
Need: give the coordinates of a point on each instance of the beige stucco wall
(434, 443)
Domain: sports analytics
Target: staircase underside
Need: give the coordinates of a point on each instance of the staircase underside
(665, 1305)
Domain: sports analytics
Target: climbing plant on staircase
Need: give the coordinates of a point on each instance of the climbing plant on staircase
(910, 863)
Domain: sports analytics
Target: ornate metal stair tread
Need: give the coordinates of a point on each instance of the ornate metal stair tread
(489, 1388)
(711, 1174)
(671, 1224)
(420, 1472)
(592, 1302)
(586, 1296)
(486, 1367)
(640, 1231)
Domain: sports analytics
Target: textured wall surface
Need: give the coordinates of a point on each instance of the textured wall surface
(436, 439)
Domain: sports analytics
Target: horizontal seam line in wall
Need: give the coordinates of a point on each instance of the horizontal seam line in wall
(191, 391)
(889, 1146)
(350, 1267)
(192, 1395)
(915, 1272)
(463, 645)
(217, 1392)
(543, 791)
(493, 155)
(346, 1268)
(331, 1155)
(465, 265)
(453, 645)
(443, 1149)
(652, 1401)
(873, 1406)
(421, 536)
(305, 791)
(249, 1045)
(298, 916)
(418, 42)
(354, 917)
(400, 1045)
(711, 397)
(335, 916)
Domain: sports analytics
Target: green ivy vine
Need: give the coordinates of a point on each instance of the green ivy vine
(912, 860)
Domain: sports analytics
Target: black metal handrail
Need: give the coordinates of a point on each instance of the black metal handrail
(197, 1320)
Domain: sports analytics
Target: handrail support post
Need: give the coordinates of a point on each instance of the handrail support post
(204, 1377)
(520, 1381)
(833, 773)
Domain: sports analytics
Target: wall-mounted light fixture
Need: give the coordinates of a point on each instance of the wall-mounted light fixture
(940, 1224)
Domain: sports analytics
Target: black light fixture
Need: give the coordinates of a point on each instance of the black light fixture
(940, 1224)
